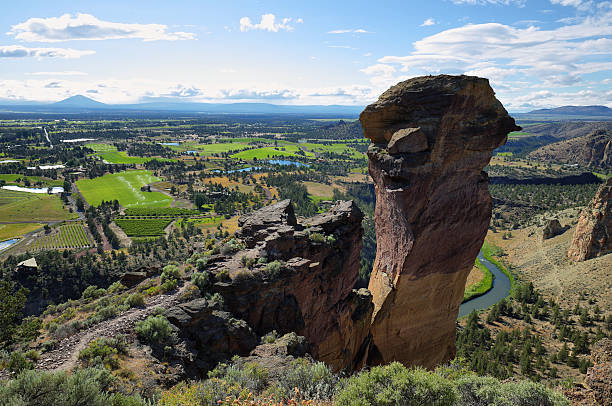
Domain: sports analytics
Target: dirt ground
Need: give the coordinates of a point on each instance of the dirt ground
(545, 263)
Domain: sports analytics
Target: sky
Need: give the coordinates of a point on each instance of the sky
(536, 53)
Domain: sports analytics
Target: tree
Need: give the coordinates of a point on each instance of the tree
(11, 309)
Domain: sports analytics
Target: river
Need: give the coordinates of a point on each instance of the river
(500, 289)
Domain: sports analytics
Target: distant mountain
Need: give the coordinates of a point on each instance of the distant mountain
(79, 101)
(576, 111)
(78, 104)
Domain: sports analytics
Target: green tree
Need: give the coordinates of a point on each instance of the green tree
(11, 310)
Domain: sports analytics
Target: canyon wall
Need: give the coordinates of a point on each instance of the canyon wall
(431, 137)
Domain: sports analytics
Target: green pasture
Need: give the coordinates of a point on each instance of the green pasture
(24, 206)
(125, 187)
(11, 179)
(481, 287)
(8, 231)
(101, 147)
(263, 154)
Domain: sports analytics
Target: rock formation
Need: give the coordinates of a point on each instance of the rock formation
(597, 388)
(431, 138)
(305, 285)
(593, 235)
(593, 150)
(552, 229)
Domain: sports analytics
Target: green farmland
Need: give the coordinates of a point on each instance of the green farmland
(24, 206)
(70, 235)
(125, 187)
(143, 227)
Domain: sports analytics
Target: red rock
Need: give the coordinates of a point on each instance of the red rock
(432, 209)
(593, 235)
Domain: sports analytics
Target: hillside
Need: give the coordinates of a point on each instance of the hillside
(567, 129)
(576, 110)
(593, 150)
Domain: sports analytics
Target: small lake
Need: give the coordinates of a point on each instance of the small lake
(286, 163)
(500, 289)
(7, 243)
(54, 190)
(173, 144)
(44, 167)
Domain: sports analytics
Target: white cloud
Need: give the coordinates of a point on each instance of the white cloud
(268, 23)
(520, 3)
(256, 94)
(573, 3)
(18, 51)
(342, 47)
(516, 60)
(88, 27)
(428, 22)
(350, 31)
(60, 73)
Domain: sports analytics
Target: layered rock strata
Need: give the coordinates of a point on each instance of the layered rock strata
(312, 293)
(593, 235)
(431, 137)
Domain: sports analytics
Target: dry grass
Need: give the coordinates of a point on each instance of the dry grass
(319, 189)
(474, 277)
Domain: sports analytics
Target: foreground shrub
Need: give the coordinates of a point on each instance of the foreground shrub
(170, 272)
(202, 280)
(481, 391)
(84, 387)
(394, 384)
(154, 330)
(104, 352)
(135, 300)
(312, 381)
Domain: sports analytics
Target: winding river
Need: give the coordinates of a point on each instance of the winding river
(500, 289)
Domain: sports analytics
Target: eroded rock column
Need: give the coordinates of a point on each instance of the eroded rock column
(431, 137)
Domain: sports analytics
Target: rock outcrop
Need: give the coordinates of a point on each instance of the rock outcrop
(593, 235)
(597, 388)
(431, 138)
(310, 289)
(552, 229)
(593, 150)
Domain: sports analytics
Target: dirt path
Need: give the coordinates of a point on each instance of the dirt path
(66, 355)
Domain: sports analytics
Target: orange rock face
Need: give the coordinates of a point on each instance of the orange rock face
(431, 138)
(593, 235)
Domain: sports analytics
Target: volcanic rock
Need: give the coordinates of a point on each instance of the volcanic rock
(593, 235)
(552, 229)
(312, 294)
(432, 208)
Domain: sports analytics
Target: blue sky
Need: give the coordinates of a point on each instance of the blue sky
(537, 53)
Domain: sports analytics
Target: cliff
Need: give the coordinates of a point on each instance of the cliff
(305, 285)
(431, 137)
(592, 150)
(593, 235)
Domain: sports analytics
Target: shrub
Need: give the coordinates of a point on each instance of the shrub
(201, 280)
(201, 263)
(476, 390)
(273, 269)
(251, 376)
(154, 330)
(116, 287)
(92, 292)
(104, 352)
(135, 300)
(231, 246)
(242, 276)
(222, 275)
(168, 286)
(170, 272)
(270, 338)
(29, 329)
(394, 384)
(316, 237)
(217, 299)
(83, 387)
(312, 380)
(19, 362)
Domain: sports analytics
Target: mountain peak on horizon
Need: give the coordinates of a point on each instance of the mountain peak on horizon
(78, 101)
(576, 110)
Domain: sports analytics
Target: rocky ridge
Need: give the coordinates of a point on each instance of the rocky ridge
(592, 150)
(431, 137)
(305, 285)
(593, 235)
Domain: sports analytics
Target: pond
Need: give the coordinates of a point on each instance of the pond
(285, 162)
(500, 289)
(7, 243)
(40, 190)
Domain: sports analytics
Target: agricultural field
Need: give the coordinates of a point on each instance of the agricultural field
(143, 227)
(125, 187)
(23, 206)
(121, 157)
(18, 180)
(159, 212)
(8, 231)
(264, 153)
(67, 236)
(101, 147)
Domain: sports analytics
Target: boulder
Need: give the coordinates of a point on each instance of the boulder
(431, 137)
(552, 229)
